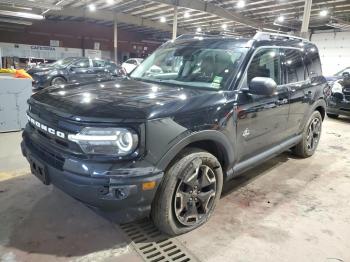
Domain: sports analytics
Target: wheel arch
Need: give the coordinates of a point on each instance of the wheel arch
(212, 141)
(322, 110)
(56, 76)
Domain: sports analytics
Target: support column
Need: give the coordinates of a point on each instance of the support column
(175, 23)
(306, 18)
(115, 41)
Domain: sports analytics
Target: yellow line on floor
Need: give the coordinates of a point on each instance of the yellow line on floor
(12, 174)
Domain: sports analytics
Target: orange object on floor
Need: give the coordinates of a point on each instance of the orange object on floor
(21, 73)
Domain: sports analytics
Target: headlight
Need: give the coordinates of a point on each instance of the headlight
(106, 141)
(337, 88)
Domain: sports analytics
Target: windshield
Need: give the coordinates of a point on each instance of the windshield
(191, 65)
(63, 62)
(346, 70)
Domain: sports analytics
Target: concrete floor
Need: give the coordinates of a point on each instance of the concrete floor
(285, 210)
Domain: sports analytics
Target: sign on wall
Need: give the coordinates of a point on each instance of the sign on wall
(55, 43)
(92, 53)
(97, 46)
(37, 51)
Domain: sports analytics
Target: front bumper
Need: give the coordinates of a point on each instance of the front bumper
(40, 82)
(107, 192)
(338, 107)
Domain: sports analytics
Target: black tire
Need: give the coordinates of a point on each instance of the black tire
(311, 136)
(58, 81)
(332, 115)
(168, 212)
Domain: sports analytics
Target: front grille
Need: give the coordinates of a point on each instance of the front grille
(47, 156)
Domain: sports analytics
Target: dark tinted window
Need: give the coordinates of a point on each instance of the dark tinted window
(313, 62)
(131, 61)
(266, 63)
(111, 65)
(294, 65)
(98, 63)
(82, 63)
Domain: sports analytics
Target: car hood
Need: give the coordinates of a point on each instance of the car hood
(125, 99)
(332, 78)
(40, 69)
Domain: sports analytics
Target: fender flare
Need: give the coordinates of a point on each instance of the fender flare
(319, 103)
(221, 140)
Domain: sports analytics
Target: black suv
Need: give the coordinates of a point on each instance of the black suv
(196, 113)
(338, 103)
(74, 70)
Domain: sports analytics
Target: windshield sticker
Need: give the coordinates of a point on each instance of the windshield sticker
(217, 81)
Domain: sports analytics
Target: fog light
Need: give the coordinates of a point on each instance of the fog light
(148, 185)
(121, 193)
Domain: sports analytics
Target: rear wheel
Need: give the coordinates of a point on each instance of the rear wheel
(58, 81)
(188, 193)
(332, 115)
(311, 136)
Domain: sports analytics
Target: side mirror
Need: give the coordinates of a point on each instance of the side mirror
(263, 86)
(346, 75)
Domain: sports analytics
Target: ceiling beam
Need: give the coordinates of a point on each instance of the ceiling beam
(109, 16)
(15, 21)
(208, 7)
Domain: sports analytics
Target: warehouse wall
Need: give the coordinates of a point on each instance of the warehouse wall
(334, 49)
(75, 34)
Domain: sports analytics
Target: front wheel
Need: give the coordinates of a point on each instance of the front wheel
(311, 136)
(188, 193)
(58, 81)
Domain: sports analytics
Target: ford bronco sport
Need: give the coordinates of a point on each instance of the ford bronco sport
(196, 113)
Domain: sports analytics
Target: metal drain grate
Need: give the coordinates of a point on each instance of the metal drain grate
(154, 246)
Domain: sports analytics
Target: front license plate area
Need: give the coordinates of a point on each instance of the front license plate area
(39, 170)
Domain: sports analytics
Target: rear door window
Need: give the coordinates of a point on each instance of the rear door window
(98, 63)
(295, 70)
(82, 63)
(313, 62)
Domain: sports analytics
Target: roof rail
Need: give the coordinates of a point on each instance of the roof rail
(190, 36)
(269, 36)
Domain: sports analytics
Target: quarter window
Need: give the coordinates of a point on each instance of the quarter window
(266, 63)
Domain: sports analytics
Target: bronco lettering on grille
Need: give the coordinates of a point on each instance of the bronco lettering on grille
(46, 128)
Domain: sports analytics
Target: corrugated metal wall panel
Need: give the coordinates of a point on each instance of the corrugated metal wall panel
(334, 51)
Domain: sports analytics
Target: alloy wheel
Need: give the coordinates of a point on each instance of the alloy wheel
(313, 135)
(195, 195)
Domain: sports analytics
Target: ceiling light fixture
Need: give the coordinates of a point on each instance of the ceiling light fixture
(110, 2)
(224, 26)
(21, 14)
(280, 19)
(187, 14)
(241, 4)
(92, 7)
(323, 13)
(199, 29)
(163, 19)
